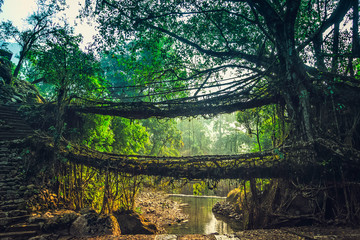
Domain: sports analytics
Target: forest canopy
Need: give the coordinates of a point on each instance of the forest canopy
(303, 52)
(188, 58)
(288, 71)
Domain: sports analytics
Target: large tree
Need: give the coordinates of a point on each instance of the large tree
(40, 24)
(304, 52)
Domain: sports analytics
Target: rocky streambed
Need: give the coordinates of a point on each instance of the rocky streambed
(153, 212)
(157, 208)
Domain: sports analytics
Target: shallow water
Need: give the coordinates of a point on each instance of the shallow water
(201, 218)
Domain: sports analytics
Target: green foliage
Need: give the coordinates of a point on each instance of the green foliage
(62, 64)
(230, 136)
(199, 188)
(219, 135)
(264, 124)
(195, 136)
(40, 25)
(142, 71)
(130, 137)
(290, 52)
(165, 138)
(97, 132)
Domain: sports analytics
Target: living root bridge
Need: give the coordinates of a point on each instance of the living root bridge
(287, 162)
(173, 108)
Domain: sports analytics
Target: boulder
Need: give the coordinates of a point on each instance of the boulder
(80, 227)
(132, 223)
(59, 223)
(93, 224)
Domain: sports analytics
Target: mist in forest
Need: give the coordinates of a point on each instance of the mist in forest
(219, 135)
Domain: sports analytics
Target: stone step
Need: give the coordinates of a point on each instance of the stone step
(17, 235)
(15, 127)
(7, 155)
(15, 123)
(6, 134)
(13, 213)
(7, 112)
(10, 174)
(9, 165)
(15, 201)
(10, 161)
(15, 134)
(11, 189)
(9, 115)
(5, 168)
(11, 131)
(12, 207)
(5, 221)
(9, 195)
(23, 227)
(17, 213)
(16, 137)
(4, 108)
(6, 189)
(7, 184)
(10, 179)
(5, 159)
(12, 121)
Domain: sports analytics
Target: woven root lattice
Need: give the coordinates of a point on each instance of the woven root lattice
(300, 160)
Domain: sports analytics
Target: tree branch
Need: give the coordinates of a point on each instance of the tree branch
(202, 85)
(336, 17)
(229, 54)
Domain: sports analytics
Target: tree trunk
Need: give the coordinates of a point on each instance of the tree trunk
(104, 208)
(297, 97)
(59, 123)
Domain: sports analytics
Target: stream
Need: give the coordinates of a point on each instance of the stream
(201, 218)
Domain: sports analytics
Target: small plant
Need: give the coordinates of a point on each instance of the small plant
(138, 210)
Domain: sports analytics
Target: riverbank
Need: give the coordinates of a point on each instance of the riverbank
(299, 233)
(159, 209)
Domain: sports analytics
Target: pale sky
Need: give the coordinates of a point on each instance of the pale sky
(18, 10)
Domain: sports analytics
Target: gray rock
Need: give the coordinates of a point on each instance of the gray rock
(93, 224)
(80, 227)
(132, 223)
(166, 237)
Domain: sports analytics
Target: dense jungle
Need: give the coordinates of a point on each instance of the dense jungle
(254, 100)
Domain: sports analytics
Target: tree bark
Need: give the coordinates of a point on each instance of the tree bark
(355, 40)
